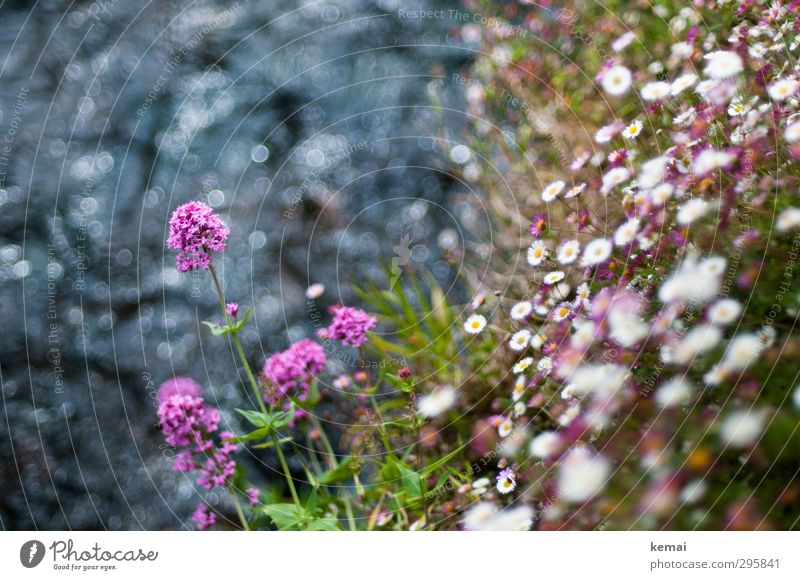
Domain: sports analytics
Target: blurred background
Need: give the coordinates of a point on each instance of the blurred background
(308, 127)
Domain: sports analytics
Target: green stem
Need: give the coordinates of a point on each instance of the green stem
(326, 443)
(384, 438)
(239, 510)
(333, 464)
(236, 343)
(348, 508)
(285, 469)
(253, 384)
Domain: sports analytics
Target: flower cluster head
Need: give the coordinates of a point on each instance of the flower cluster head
(232, 308)
(196, 231)
(204, 517)
(190, 425)
(349, 326)
(293, 368)
(178, 386)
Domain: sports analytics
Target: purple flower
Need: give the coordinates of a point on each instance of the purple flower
(538, 224)
(196, 231)
(506, 480)
(219, 467)
(189, 424)
(187, 421)
(178, 386)
(252, 495)
(232, 308)
(294, 367)
(349, 326)
(204, 517)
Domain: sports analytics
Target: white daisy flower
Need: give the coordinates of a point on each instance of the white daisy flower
(739, 107)
(682, 83)
(788, 219)
(792, 133)
(623, 42)
(605, 134)
(713, 265)
(519, 388)
(475, 324)
(537, 341)
(315, 291)
(681, 50)
(506, 482)
(632, 131)
(569, 415)
(613, 178)
(692, 210)
(655, 91)
(545, 444)
(704, 88)
(617, 80)
(693, 491)
(568, 392)
(520, 339)
(626, 233)
(581, 475)
(479, 516)
(505, 427)
(522, 365)
(724, 311)
(723, 64)
(553, 277)
(651, 173)
(568, 252)
(596, 252)
(742, 351)
(782, 89)
(551, 191)
(582, 294)
(715, 376)
(710, 159)
(521, 310)
(675, 392)
(545, 364)
(576, 190)
(519, 409)
(561, 312)
(660, 194)
(537, 253)
(437, 402)
(701, 339)
(742, 428)
(686, 117)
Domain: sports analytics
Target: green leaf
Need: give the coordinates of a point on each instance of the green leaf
(256, 418)
(286, 516)
(439, 462)
(256, 435)
(401, 384)
(395, 469)
(217, 330)
(345, 470)
(323, 525)
(268, 444)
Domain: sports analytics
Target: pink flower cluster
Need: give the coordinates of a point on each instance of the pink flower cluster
(178, 386)
(189, 424)
(293, 368)
(196, 231)
(349, 326)
(204, 517)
